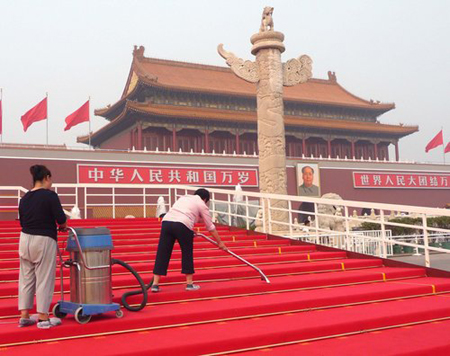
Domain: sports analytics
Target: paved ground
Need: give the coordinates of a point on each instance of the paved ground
(439, 261)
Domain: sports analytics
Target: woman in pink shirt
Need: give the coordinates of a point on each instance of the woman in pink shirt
(178, 225)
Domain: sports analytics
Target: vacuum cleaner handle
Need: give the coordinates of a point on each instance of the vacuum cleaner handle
(263, 276)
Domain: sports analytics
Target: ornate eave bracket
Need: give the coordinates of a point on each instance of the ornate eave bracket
(297, 70)
(246, 70)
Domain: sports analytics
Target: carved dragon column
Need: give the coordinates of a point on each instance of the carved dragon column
(270, 74)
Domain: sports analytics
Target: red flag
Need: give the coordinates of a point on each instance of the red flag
(77, 117)
(447, 148)
(1, 117)
(38, 113)
(438, 140)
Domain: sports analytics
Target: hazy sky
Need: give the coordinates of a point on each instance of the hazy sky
(389, 50)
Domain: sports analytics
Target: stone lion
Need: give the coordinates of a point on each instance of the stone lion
(327, 222)
(258, 221)
(267, 21)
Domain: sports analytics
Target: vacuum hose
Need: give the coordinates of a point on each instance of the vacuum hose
(142, 290)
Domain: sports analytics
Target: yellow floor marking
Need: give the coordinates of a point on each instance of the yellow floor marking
(384, 276)
(343, 266)
(433, 287)
(144, 332)
(234, 238)
(342, 337)
(254, 244)
(309, 257)
(304, 343)
(279, 250)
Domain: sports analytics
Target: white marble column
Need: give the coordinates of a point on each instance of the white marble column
(270, 74)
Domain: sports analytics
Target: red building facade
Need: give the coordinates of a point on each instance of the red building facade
(169, 105)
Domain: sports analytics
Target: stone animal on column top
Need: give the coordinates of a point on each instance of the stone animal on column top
(267, 21)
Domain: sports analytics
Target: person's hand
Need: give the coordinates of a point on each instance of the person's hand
(63, 227)
(222, 246)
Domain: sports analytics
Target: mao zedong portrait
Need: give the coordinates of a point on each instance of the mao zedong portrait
(308, 188)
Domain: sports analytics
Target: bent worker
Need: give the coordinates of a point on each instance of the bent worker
(39, 211)
(178, 225)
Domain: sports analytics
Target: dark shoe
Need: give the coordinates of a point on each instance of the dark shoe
(191, 287)
(28, 321)
(155, 289)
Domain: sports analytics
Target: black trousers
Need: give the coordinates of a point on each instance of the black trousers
(171, 231)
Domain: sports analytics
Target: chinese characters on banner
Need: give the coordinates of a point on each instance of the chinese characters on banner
(167, 175)
(401, 180)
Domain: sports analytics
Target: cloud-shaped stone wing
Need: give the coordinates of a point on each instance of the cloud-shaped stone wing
(246, 70)
(297, 70)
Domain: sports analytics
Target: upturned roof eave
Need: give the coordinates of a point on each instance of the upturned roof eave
(212, 114)
(202, 114)
(381, 107)
(106, 112)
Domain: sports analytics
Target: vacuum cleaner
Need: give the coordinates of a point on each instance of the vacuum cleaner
(90, 266)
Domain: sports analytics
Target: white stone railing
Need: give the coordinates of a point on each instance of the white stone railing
(360, 242)
(324, 222)
(10, 197)
(322, 219)
(114, 196)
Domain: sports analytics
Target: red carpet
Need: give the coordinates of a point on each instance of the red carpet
(412, 340)
(319, 302)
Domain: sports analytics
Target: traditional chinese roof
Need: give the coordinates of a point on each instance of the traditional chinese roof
(209, 114)
(201, 78)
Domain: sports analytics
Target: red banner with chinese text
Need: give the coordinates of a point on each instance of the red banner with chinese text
(112, 174)
(401, 180)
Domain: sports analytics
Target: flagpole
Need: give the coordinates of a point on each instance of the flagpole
(443, 141)
(46, 94)
(1, 115)
(89, 121)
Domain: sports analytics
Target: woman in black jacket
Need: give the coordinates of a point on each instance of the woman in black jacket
(39, 211)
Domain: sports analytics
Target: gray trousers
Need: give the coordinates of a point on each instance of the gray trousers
(37, 271)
